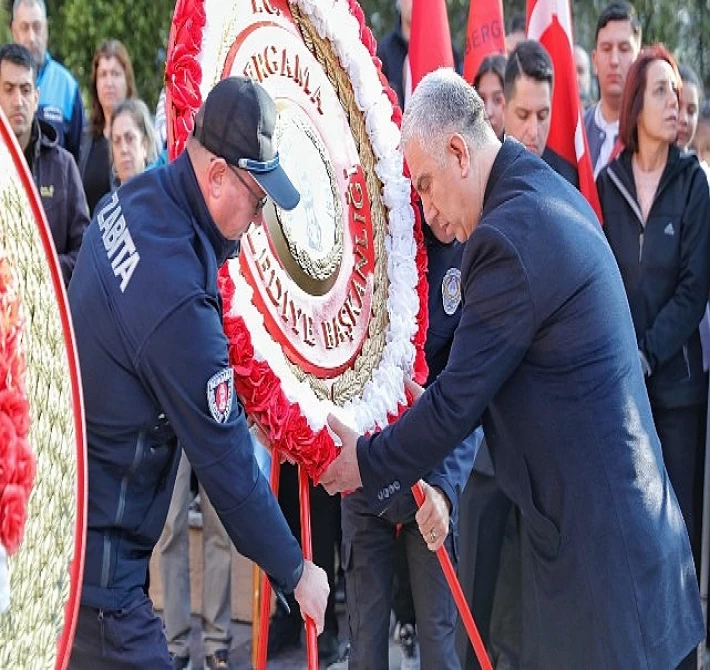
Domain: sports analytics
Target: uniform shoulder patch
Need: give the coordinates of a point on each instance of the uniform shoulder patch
(220, 389)
(451, 290)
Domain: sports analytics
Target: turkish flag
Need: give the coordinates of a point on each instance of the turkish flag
(550, 22)
(485, 35)
(429, 39)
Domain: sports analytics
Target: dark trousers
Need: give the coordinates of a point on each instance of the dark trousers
(682, 434)
(325, 532)
(131, 638)
(484, 513)
(403, 602)
(369, 556)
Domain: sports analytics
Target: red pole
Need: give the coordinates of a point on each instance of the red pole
(304, 496)
(263, 639)
(456, 591)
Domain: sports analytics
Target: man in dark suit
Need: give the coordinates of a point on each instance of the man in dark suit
(545, 356)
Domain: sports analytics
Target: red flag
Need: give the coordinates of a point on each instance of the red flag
(485, 34)
(550, 22)
(429, 39)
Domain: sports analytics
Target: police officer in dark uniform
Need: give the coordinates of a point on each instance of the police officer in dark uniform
(370, 540)
(153, 353)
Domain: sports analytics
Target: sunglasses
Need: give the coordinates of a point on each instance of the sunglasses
(260, 200)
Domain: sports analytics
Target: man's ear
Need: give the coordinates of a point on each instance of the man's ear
(216, 177)
(459, 148)
(594, 62)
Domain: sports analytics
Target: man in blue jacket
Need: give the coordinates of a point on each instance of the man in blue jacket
(59, 95)
(545, 355)
(155, 370)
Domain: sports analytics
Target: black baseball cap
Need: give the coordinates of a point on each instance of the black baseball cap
(237, 123)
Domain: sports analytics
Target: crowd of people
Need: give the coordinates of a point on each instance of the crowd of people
(560, 440)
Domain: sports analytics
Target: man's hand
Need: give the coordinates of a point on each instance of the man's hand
(433, 517)
(343, 474)
(311, 593)
(414, 388)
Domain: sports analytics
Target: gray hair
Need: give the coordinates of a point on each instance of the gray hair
(138, 111)
(444, 103)
(40, 3)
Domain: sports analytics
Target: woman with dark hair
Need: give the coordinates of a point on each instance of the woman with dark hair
(691, 94)
(112, 81)
(489, 84)
(655, 203)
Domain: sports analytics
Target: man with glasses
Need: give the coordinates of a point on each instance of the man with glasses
(259, 200)
(156, 376)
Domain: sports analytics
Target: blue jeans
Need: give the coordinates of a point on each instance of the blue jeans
(369, 557)
(131, 638)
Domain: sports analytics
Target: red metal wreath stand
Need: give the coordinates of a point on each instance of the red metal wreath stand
(264, 592)
(304, 498)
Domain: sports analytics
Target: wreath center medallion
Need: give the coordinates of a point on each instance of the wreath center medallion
(312, 270)
(325, 308)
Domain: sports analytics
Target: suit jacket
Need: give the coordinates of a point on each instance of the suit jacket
(546, 354)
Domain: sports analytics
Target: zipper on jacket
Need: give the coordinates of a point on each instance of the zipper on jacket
(121, 507)
(631, 201)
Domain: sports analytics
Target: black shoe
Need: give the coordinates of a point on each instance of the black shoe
(284, 632)
(328, 648)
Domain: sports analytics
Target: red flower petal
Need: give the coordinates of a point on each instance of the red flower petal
(13, 514)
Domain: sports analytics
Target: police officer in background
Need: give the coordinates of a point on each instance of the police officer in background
(148, 321)
(371, 547)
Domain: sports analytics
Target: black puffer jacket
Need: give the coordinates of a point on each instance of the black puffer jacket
(57, 179)
(665, 266)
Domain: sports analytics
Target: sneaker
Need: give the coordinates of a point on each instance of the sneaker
(409, 646)
(218, 661)
(181, 662)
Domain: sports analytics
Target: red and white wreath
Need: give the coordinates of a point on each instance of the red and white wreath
(17, 464)
(288, 409)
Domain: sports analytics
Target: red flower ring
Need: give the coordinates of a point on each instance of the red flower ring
(258, 387)
(17, 464)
